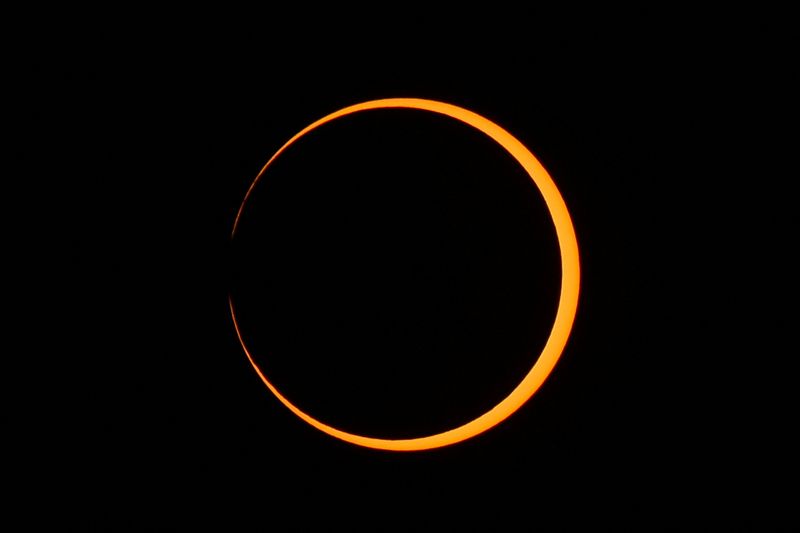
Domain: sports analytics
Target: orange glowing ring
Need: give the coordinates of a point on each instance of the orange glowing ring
(567, 304)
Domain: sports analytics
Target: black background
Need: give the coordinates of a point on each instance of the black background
(672, 405)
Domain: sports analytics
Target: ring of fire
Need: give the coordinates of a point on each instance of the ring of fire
(568, 298)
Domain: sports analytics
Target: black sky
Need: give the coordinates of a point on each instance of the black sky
(672, 403)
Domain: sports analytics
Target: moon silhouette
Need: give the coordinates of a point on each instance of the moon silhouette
(568, 298)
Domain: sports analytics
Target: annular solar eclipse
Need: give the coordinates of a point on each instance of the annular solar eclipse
(568, 296)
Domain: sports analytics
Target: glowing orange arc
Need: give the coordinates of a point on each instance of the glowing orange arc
(567, 304)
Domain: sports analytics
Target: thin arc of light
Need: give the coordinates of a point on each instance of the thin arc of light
(568, 298)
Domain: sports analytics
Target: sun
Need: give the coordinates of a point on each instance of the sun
(568, 297)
